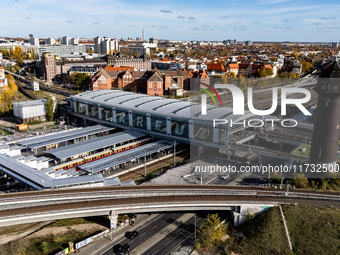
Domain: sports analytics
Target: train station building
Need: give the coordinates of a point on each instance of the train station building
(157, 116)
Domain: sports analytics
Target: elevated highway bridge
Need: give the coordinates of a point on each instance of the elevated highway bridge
(40, 206)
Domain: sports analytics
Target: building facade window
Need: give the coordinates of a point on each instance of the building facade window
(107, 114)
(139, 121)
(81, 108)
(93, 111)
(122, 117)
(158, 124)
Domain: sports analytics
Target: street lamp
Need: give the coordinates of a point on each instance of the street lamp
(195, 227)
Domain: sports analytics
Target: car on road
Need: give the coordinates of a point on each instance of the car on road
(131, 234)
(225, 176)
(123, 249)
(132, 216)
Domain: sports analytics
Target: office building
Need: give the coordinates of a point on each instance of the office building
(48, 67)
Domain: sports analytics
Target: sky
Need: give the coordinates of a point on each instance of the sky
(255, 20)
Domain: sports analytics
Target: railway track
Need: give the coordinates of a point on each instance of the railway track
(63, 192)
(268, 152)
(133, 174)
(290, 136)
(128, 202)
(28, 202)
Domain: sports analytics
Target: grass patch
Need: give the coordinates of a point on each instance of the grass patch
(69, 222)
(77, 221)
(35, 122)
(264, 234)
(4, 132)
(302, 151)
(313, 231)
(50, 244)
(16, 229)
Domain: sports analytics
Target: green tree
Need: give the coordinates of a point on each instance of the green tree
(300, 181)
(20, 61)
(230, 75)
(264, 72)
(306, 66)
(324, 183)
(5, 53)
(212, 231)
(49, 105)
(44, 247)
(81, 81)
(57, 111)
(59, 241)
(269, 71)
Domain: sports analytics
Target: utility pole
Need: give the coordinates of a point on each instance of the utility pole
(195, 227)
(174, 152)
(145, 163)
(282, 177)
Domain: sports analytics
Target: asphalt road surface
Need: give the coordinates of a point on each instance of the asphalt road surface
(145, 232)
(184, 234)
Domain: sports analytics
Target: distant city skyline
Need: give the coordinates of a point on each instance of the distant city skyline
(257, 20)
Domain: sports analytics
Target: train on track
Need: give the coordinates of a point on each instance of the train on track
(86, 159)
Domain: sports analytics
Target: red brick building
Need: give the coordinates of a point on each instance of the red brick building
(155, 84)
(179, 77)
(217, 68)
(197, 78)
(147, 82)
(233, 68)
(104, 79)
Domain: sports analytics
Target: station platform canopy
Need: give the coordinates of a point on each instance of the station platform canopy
(126, 156)
(85, 147)
(63, 136)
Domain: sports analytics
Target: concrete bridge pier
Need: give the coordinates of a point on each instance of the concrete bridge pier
(113, 220)
(248, 211)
